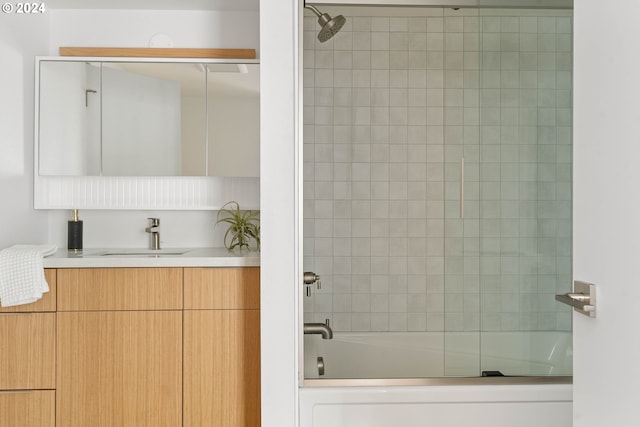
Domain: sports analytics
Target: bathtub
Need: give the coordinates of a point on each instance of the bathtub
(438, 354)
(433, 380)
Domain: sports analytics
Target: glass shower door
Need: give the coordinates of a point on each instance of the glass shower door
(391, 146)
(437, 193)
(525, 209)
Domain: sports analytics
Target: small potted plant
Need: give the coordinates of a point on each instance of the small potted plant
(244, 226)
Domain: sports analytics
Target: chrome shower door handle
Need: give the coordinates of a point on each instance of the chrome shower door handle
(461, 187)
(582, 299)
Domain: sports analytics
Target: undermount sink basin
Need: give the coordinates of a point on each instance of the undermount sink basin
(145, 252)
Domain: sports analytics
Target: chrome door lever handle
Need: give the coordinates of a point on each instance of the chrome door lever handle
(576, 300)
(582, 299)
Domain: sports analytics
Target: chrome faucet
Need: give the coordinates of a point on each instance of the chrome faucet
(153, 230)
(319, 328)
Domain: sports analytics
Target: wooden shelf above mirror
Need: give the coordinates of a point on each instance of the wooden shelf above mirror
(158, 52)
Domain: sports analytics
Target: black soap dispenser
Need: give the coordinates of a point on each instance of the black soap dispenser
(74, 233)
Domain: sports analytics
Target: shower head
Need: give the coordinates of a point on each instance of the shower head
(330, 26)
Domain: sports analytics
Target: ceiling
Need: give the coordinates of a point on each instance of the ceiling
(156, 4)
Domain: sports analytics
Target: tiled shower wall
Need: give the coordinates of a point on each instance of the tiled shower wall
(394, 105)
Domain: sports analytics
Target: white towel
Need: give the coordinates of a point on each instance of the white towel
(22, 278)
(46, 250)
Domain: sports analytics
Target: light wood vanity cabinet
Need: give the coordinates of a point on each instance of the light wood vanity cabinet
(222, 347)
(130, 353)
(119, 347)
(27, 361)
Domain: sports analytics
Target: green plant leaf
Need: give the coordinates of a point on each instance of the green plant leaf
(243, 226)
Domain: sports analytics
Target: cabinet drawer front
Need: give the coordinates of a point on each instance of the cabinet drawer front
(27, 351)
(94, 289)
(222, 288)
(48, 301)
(27, 408)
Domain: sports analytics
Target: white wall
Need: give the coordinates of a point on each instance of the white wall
(136, 28)
(21, 38)
(125, 229)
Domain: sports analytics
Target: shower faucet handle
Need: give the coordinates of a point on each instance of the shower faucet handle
(309, 278)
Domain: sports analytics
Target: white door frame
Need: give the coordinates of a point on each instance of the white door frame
(280, 120)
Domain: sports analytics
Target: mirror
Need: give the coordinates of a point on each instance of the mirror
(141, 118)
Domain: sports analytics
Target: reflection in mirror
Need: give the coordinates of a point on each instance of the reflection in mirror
(142, 107)
(233, 111)
(148, 119)
(69, 119)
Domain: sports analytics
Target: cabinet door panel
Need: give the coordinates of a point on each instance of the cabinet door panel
(28, 408)
(119, 369)
(27, 351)
(119, 289)
(222, 288)
(222, 368)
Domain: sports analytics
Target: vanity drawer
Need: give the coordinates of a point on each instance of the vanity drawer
(27, 351)
(222, 288)
(95, 289)
(32, 408)
(46, 303)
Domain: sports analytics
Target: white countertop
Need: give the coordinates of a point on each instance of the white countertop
(171, 257)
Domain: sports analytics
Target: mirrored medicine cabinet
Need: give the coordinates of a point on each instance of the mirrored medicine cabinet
(146, 118)
(146, 133)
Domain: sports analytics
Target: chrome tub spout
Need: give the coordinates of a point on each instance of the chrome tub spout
(320, 329)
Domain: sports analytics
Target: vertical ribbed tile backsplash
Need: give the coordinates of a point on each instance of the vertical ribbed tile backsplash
(192, 193)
